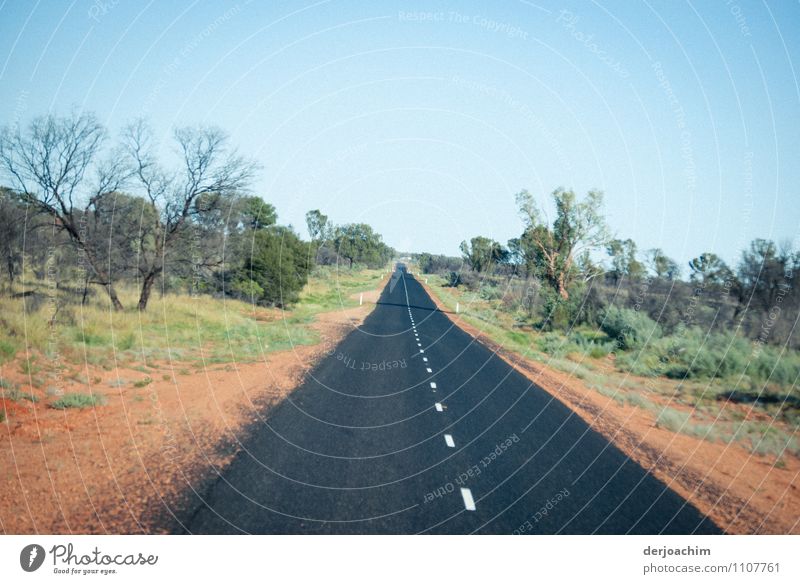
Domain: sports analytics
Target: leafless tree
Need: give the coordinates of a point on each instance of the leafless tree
(51, 164)
(208, 166)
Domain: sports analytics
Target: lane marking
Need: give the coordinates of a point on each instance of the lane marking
(448, 439)
(419, 344)
(469, 502)
(429, 370)
(422, 350)
(425, 359)
(433, 384)
(439, 407)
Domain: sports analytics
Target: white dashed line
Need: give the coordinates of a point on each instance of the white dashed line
(419, 344)
(448, 439)
(422, 350)
(433, 384)
(429, 370)
(425, 359)
(469, 502)
(439, 407)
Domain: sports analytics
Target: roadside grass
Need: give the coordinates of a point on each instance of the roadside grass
(191, 329)
(714, 383)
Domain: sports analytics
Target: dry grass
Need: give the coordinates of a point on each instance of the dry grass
(53, 327)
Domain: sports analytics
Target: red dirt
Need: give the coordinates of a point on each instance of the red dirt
(117, 468)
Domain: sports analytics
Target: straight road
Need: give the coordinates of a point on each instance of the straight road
(411, 426)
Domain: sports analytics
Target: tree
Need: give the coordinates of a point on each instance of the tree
(482, 253)
(551, 252)
(49, 164)
(623, 260)
(357, 242)
(709, 269)
(12, 223)
(275, 270)
(663, 266)
(762, 272)
(256, 213)
(208, 166)
(317, 225)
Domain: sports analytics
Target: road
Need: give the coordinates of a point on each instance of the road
(411, 426)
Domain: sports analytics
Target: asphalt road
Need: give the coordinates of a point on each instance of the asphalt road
(411, 426)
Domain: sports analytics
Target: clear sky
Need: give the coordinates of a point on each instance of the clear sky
(424, 118)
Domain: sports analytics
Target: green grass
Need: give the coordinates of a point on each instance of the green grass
(143, 383)
(77, 400)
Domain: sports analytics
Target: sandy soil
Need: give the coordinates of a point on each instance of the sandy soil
(122, 467)
(743, 493)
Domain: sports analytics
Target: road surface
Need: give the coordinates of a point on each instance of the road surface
(411, 426)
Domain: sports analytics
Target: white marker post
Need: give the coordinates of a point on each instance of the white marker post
(456, 307)
(361, 299)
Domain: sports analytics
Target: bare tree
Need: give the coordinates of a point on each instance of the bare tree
(49, 165)
(208, 166)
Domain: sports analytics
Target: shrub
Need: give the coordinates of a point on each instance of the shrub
(558, 313)
(454, 280)
(276, 270)
(77, 400)
(15, 394)
(629, 328)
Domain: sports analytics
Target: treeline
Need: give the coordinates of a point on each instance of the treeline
(80, 213)
(570, 272)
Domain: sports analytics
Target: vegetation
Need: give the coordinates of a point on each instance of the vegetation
(721, 339)
(77, 401)
(87, 215)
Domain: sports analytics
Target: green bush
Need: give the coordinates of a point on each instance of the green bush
(274, 272)
(629, 328)
(559, 313)
(77, 400)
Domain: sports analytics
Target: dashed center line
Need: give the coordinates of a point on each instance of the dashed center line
(439, 407)
(429, 370)
(433, 384)
(425, 359)
(469, 502)
(448, 439)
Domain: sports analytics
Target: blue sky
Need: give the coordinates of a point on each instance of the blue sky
(424, 118)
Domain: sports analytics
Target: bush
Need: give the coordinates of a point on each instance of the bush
(454, 280)
(276, 270)
(558, 313)
(629, 328)
(77, 400)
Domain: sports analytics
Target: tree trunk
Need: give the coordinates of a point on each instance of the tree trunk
(562, 289)
(109, 286)
(112, 293)
(147, 286)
